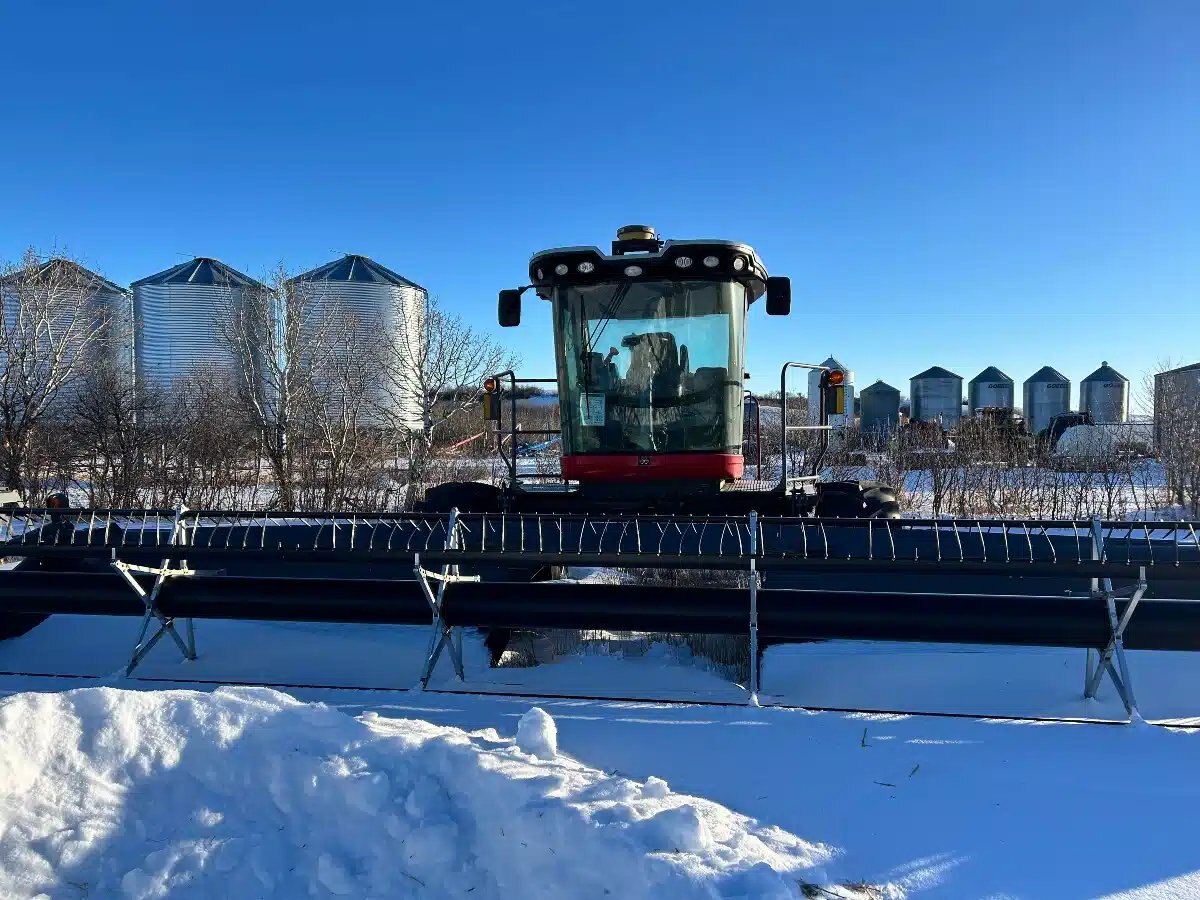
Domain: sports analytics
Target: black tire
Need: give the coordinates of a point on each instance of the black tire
(465, 496)
(857, 500)
(880, 503)
(496, 640)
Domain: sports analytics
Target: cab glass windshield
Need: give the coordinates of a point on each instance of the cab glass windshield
(651, 366)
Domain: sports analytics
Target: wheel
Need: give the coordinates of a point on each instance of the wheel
(496, 640)
(465, 496)
(879, 501)
(857, 500)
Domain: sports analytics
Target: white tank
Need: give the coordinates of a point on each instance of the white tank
(1047, 393)
(1105, 394)
(937, 396)
(814, 394)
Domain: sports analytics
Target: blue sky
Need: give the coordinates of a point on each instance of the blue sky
(954, 183)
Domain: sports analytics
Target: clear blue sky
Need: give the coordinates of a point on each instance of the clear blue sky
(953, 183)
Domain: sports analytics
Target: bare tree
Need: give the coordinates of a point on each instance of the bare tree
(202, 454)
(434, 374)
(344, 465)
(276, 337)
(111, 425)
(50, 323)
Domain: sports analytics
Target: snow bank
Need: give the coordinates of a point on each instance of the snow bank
(247, 792)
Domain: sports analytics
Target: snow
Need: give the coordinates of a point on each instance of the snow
(1099, 441)
(536, 734)
(146, 788)
(246, 792)
(281, 653)
(1029, 682)
(544, 400)
(656, 787)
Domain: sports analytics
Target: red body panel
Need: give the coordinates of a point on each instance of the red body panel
(652, 466)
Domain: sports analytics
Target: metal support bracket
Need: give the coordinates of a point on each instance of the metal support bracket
(166, 624)
(754, 672)
(443, 636)
(1111, 659)
(1114, 650)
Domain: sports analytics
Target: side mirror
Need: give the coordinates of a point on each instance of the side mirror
(779, 295)
(509, 309)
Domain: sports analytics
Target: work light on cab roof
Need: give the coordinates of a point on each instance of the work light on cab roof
(681, 260)
(650, 349)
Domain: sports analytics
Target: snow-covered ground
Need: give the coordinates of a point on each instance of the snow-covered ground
(157, 791)
(247, 792)
(1035, 682)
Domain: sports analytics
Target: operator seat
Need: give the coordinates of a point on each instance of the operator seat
(654, 364)
(602, 376)
(654, 378)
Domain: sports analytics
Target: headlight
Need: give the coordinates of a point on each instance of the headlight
(586, 268)
(683, 262)
(633, 271)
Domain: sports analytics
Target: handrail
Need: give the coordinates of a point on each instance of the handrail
(821, 426)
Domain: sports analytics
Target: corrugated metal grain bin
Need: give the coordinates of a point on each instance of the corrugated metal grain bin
(376, 304)
(880, 410)
(991, 388)
(74, 313)
(176, 315)
(1047, 393)
(937, 396)
(1105, 394)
